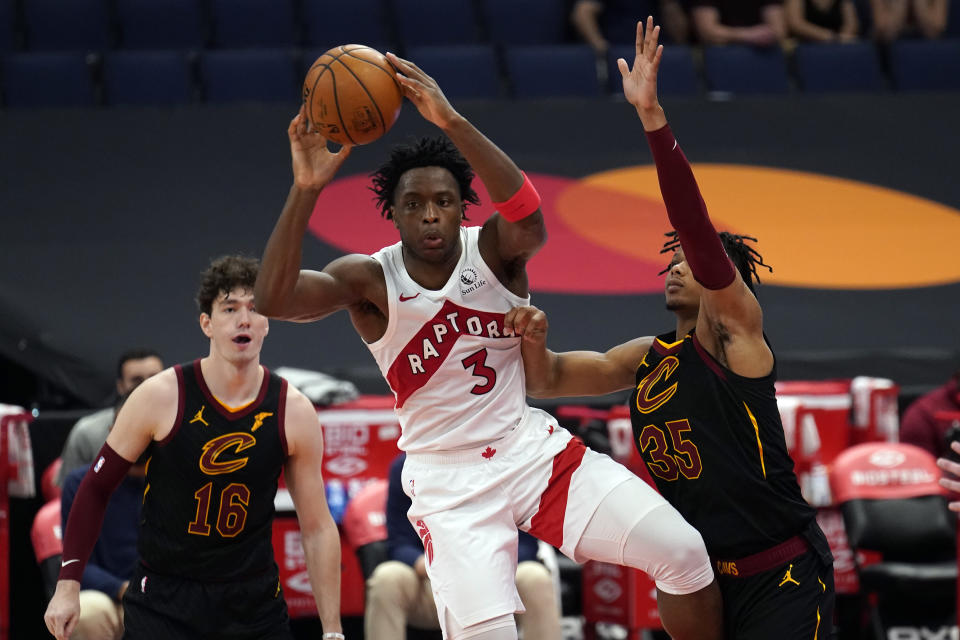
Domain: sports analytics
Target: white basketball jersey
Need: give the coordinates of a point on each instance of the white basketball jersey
(457, 380)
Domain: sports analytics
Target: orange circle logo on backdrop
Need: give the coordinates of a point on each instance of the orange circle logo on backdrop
(606, 230)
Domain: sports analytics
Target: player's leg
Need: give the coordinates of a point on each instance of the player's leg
(636, 527)
(500, 628)
(794, 601)
(541, 621)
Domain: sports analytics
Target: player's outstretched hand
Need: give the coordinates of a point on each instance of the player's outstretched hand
(63, 612)
(528, 322)
(314, 165)
(423, 91)
(952, 468)
(640, 82)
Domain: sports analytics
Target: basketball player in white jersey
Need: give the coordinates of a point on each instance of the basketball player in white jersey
(480, 462)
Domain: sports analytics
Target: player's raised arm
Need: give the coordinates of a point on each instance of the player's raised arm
(730, 317)
(282, 290)
(321, 539)
(513, 236)
(571, 373)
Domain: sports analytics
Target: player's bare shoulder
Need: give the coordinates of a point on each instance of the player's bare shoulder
(301, 424)
(154, 404)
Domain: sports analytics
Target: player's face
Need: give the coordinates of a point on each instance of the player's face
(235, 329)
(680, 288)
(427, 211)
(135, 371)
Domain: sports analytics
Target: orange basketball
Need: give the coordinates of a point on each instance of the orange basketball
(352, 95)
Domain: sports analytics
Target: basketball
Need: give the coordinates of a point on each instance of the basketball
(352, 95)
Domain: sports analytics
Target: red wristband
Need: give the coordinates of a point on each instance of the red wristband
(521, 204)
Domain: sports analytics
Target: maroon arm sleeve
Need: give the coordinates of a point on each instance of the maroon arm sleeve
(86, 514)
(688, 214)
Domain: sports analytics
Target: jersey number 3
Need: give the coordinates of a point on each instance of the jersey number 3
(668, 463)
(478, 361)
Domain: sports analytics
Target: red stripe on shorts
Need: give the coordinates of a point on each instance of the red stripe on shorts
(547, 523)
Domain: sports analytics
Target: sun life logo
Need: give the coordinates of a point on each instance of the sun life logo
(470, 281)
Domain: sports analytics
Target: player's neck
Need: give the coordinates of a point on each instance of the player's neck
(432, 276)
(232, 383)
(685, 325)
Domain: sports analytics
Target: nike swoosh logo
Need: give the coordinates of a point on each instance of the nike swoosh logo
(66, 562)
(674, 145)
(404, 298)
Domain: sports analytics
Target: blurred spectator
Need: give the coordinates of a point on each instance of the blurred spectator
(90, 432)
(114, 558)
(822, 20)
(893, 19)
(399, 593)
(758, 23)
(602, 23)
(928, 420)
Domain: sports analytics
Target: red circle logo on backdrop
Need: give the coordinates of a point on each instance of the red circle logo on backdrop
(606, 230)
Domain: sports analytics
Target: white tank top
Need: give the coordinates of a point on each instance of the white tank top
(457, 380)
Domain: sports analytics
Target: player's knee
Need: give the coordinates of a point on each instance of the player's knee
(686, 566)
(390, 584)
(671, 551)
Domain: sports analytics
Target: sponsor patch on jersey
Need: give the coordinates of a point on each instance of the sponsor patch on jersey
(470, 281)
(96, 467)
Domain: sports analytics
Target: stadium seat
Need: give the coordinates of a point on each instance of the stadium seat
(47, 541)
(432, 22)
(239, 24)
(52, 79)
(74, 25)
(828, 67)
(953, 22)
(925, 65)
(161, 24)
(552, 71)
(329, 24)
(7, 25)
(677, 75)
(519, 22)
(467, 71)
(253, 75)
(902, 536)
(740, 69)
(147, 78)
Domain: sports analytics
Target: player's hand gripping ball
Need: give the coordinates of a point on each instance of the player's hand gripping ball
(352, 94)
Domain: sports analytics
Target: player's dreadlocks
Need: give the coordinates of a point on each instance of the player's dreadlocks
(426, 152)
(744, 257)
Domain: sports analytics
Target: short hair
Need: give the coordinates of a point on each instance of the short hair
(138, 353)
(425, 152)
(225, 274)
(744, 257)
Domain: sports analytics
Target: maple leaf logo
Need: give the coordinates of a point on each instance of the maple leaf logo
(488, 453)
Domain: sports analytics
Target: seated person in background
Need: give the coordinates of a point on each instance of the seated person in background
(822, 20)
(90, 432)
(602, 23)
(399, 593)
(893, 19)
(759, 23)
(926, 421)
(114, 557)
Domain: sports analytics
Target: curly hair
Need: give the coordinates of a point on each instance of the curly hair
(225, 274)
(425, 152)
(744, 257)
